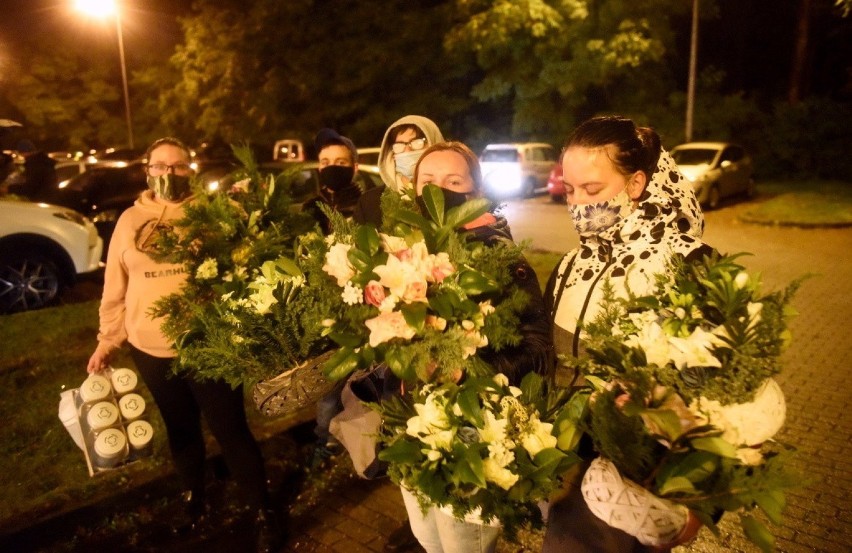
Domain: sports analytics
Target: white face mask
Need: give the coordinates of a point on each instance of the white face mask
(406, 161)
(597, 219)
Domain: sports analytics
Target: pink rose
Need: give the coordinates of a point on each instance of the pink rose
(387, 326)
(374, 293)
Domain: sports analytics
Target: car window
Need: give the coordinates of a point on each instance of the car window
(549, 154)
(694, 156)
(732, 154)
(535, 154)
(499, 155)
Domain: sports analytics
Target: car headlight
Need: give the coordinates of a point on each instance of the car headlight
(72, 216)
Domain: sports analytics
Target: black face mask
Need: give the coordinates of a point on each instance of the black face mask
(336, 177)
(451, 199)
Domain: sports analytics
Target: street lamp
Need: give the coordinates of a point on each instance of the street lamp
(104, 8)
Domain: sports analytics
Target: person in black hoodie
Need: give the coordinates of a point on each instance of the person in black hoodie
(338, 165)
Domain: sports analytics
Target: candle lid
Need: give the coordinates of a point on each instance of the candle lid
(124, 380)
(110, 443)
(94, 388)
(101, 415)
(132, 406)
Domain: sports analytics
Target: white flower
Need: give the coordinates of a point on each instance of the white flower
(750, 423)
(538, 436)
(433, 455)
(337, 263)
(494, 430)
(352, 294)
(653, 341)
(388, 304)
(740, 280)
(486, 308)
(473, 341)
(263, 298)
(503, 477)
(749, 456)
(207, 270)
(695, 350)
(501, 379)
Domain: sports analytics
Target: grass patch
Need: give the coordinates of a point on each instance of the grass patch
(816, 203)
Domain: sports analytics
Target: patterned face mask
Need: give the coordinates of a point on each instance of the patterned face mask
(170, 187)
(596, 219)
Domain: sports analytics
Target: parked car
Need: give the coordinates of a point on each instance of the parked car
(42, 249)
(717, 170)
(516, 169)
(105, 190)
(368, 156)
(555, 185)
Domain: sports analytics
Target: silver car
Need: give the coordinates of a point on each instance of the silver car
(717, 170)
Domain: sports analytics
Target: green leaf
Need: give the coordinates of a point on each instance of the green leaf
(469, 468)
(696, 467)
(367, 239)
(532, 386)
(757, 532)
(415, 315)
(667, 421)
(677, 484)
(360, 260)
(433, 199)
(772, 503)
(474, 283)
(468, 402)
(402, 452)
(400, 363)
(467, 212)
(341, 364)
(715, 445)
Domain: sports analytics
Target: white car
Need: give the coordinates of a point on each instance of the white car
(716, 170)
(42, 249)
(516, 169)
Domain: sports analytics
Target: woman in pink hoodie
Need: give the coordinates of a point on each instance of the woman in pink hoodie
(133, 282)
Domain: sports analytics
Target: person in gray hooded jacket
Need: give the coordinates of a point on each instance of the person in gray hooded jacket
(403, 144)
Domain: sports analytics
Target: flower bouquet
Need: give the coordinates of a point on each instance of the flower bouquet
(248, 310)
(683, 403)
(482, 447)
(420, 297)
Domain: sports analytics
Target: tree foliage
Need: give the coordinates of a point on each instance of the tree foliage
(561, 59)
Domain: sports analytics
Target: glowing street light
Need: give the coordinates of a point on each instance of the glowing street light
(105, 8)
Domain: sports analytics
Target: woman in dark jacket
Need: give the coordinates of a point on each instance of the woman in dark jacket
(454, 168)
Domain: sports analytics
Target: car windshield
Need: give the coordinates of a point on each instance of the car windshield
(694, 156)
(499, 155)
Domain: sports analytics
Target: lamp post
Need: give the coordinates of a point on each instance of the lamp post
(103, 8)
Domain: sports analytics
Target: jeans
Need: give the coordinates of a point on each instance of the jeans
(440, 532)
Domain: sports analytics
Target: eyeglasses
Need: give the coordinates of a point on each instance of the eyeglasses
(416, 144)
(157, 169)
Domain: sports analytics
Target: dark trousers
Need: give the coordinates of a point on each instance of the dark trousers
(182, 400)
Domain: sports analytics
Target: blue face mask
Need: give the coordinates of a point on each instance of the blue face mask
(406, 161)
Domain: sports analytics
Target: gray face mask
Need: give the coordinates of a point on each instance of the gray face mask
(170, 187)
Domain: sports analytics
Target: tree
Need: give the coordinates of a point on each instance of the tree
(65, 99)
(560, 60)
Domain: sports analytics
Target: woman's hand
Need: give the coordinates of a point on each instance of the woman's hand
(99, 360)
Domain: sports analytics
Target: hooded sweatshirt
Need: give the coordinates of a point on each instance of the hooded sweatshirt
(666, 222)
(133, 281)
(387, 168)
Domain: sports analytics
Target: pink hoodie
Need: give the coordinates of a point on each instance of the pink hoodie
(133, 281)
